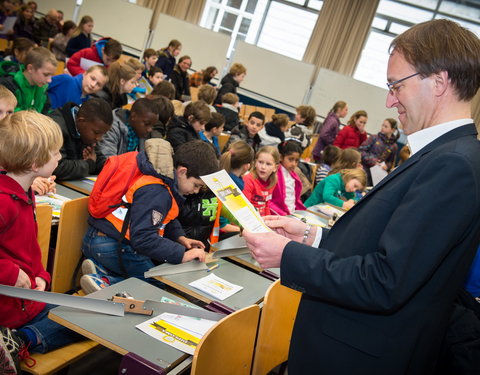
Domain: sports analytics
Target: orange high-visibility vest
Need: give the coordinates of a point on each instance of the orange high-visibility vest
(117, 217)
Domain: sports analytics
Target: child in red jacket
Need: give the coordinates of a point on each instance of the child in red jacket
(354, 134)
(29, 147)
(104, 52)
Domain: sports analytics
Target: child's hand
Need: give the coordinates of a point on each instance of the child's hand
(89, 153)
(348, 204)
(192, 254)
(42, 185)
(190, 242)
(41, 284)
(23, 281)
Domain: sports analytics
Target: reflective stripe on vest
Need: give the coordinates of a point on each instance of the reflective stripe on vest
(214, 236)
(118, 215)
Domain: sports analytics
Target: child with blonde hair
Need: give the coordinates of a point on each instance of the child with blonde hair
(301, 131)
(348, 159)
(339, 188)
(261, 180)
(29, 147)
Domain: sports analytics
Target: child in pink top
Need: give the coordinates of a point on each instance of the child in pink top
(261, 180)
(286, 195)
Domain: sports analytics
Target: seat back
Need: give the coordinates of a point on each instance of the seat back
(71, 229)
(275, 329)
(44, 223)
(227, 348)
(194, 93)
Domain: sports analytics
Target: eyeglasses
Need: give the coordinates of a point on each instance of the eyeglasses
(393, 90)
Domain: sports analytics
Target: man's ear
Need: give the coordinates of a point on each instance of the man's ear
(191, 119)
(442, 81)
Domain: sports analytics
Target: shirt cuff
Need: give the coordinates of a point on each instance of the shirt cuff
(318, 237)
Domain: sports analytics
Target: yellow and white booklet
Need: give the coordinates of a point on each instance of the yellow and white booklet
(222, 185)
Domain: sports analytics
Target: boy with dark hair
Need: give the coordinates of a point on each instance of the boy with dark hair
(212, 131)
(104, 52)
(82, 129)
(130, 128)
(29, 148)
(249, 131)
(187, 127)
(154, 196)
(30, 84)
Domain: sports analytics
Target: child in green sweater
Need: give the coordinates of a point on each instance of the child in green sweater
(339, 188)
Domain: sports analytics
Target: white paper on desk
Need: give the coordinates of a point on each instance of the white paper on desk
(327, 210)
(378, 173)
(85, 64)
(311, 219)
(54, 200)
(182, 332)
(222, 185)
(8, 24)
(216, 287)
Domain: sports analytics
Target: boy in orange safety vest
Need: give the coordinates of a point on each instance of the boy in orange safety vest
(154, 235)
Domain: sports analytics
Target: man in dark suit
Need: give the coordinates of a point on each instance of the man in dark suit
(379, 288)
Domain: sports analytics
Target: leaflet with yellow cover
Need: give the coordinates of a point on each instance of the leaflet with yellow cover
(222, 185)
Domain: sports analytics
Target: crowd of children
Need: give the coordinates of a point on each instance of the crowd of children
(134, 124)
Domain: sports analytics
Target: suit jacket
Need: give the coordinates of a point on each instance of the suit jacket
(379, 291)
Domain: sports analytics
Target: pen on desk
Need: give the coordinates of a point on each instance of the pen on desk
(215, 266)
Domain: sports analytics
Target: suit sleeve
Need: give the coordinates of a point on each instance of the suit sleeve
(388, 275)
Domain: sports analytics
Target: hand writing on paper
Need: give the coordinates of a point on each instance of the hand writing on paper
(23, 281)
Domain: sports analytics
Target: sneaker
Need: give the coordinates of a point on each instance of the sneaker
(90, 266)
(12, 351)
(7, 364)
(92, 282)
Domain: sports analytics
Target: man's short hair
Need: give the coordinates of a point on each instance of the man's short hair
(7, 96)
(27, 138)
(153, 70)
(216, 121)
(230, 98)
(113, 49)
(96, 109)
(258, 115)
(149, 52)
(174, 43)
(443, 45)
(199, 110)
(38, 56)
(198, 157)
(207, 93)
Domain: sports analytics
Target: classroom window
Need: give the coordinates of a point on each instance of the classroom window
(264, 23)
(393, 17)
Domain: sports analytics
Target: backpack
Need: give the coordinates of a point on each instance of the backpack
(118, 174)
